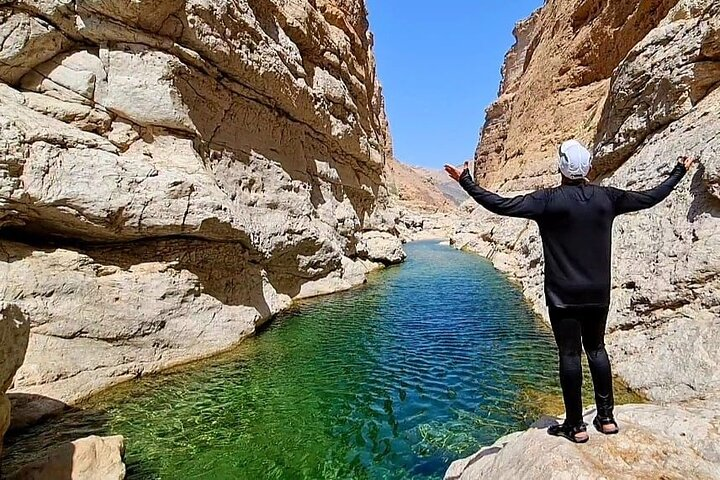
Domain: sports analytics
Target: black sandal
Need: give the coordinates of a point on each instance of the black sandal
(569, 432)
(600, 422)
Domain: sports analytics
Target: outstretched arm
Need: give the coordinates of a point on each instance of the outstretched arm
(524, 206)
(625, 201)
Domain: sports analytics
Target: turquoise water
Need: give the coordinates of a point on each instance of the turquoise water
(394, 380)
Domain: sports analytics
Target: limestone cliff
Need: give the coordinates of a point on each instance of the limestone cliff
(637, 80)
(173, 173)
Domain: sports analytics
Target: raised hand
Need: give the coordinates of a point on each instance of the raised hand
(688, 161)
(454, 172)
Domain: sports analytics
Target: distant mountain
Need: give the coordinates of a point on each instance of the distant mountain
(423, 189)
(449, 187)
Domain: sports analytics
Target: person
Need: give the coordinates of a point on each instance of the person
(575, 221)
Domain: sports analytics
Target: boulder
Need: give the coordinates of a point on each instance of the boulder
(380, 247)
(90, 458)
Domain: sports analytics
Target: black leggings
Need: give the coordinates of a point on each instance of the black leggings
(573, 327)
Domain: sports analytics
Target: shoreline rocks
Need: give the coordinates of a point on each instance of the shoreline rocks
(638, 81)
(91, 458)
(14, 335)
(380, 247)
(173, 322)
(650, 105)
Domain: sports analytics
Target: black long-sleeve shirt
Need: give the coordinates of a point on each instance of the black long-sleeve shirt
(575, 222)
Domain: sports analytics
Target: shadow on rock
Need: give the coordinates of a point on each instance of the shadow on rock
(703, 201)
(59, 444)
(30, 409)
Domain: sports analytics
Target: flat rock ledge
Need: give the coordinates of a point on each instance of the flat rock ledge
(679, 441)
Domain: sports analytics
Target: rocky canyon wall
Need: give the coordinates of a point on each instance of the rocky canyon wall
(637, 80)
(173, 173)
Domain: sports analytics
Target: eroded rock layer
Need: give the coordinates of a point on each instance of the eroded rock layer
(173, 173)
(638, 80)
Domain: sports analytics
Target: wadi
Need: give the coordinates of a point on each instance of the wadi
(214, 264)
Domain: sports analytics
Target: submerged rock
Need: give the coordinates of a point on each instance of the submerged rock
(678, 442)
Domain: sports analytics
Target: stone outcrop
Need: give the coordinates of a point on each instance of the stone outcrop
(14, 334)
(380, 247)
(638, 81)
(676, 442)
(175, 172)
(90, 458)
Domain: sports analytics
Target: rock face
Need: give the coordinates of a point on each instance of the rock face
(637, 80)
(555, 84)
(380, 247)
(656, 442)
(14, 334)
(91, 458)
(173, 173)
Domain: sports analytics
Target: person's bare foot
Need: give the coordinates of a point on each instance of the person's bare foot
(609, 428)
(608, 425)
(576, 434)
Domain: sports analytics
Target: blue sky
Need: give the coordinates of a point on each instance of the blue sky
(439, 64)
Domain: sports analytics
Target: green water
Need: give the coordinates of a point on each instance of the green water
(424, 364)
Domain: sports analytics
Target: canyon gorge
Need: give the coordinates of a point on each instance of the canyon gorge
(175, 173)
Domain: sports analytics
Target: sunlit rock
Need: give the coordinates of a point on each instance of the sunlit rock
(174, 173)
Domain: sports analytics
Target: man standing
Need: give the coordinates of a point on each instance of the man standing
(575, 221)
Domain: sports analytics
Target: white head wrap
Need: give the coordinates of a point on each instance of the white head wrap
(575, 160)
